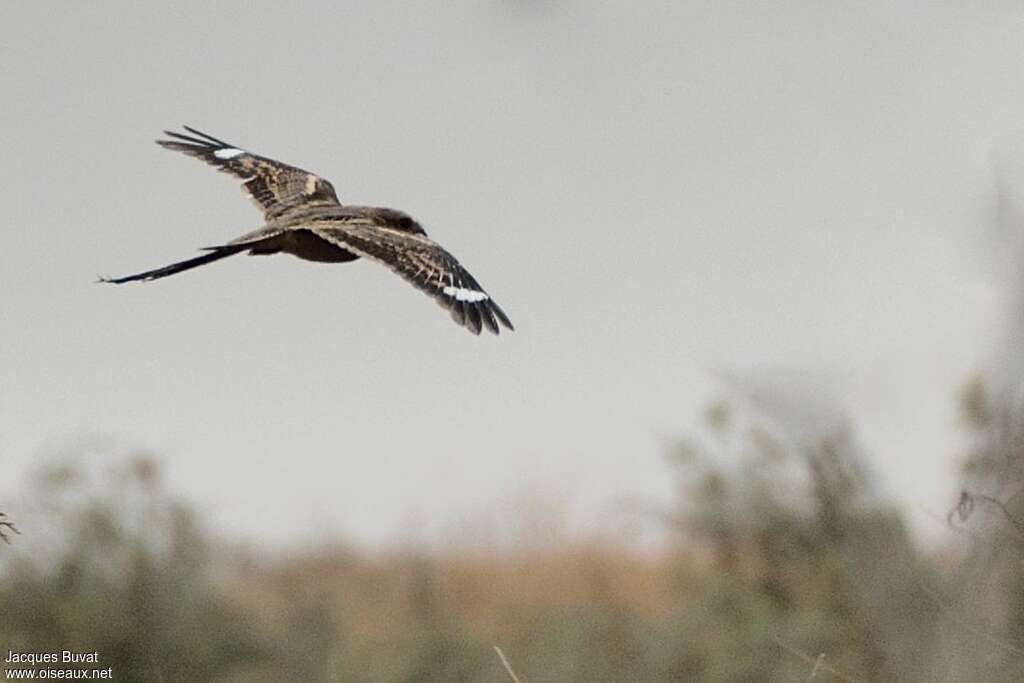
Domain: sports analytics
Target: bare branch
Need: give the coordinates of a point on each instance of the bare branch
(965, 506)
(6, 526)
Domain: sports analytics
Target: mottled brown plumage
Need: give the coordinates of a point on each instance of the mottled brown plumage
(303, 217)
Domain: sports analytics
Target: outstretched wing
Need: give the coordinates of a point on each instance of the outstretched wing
(275, 187)
(424, 264)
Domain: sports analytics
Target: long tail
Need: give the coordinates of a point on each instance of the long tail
(215, 254)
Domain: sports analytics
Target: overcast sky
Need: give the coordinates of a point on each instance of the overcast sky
(653, 192)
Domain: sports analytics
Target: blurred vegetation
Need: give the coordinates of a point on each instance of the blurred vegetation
(124, 574)
(782, 549)
(985, 592)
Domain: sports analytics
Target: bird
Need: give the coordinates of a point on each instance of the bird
(303, 217)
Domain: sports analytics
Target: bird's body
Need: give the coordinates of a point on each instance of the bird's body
(303, 217)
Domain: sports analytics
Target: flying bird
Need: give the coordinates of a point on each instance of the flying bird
(303, 217)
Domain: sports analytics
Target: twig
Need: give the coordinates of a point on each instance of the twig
(6, 526)
(965, 506)
(1002, 506)
(948, 522)
(508, 667)
(818, 663)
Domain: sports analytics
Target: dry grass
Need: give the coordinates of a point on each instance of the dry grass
(508, 667)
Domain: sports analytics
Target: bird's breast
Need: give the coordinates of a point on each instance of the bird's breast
(309, 246)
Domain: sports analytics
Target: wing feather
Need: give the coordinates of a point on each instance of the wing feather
(424, 264)
(275, 187)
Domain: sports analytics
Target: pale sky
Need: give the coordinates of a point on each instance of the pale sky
(654, 192)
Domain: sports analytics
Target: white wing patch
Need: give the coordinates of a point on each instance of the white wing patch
(310, 188)
(461, 294)
(228, 153)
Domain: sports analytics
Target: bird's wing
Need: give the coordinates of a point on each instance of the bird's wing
(274, 187)
(425, 265)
